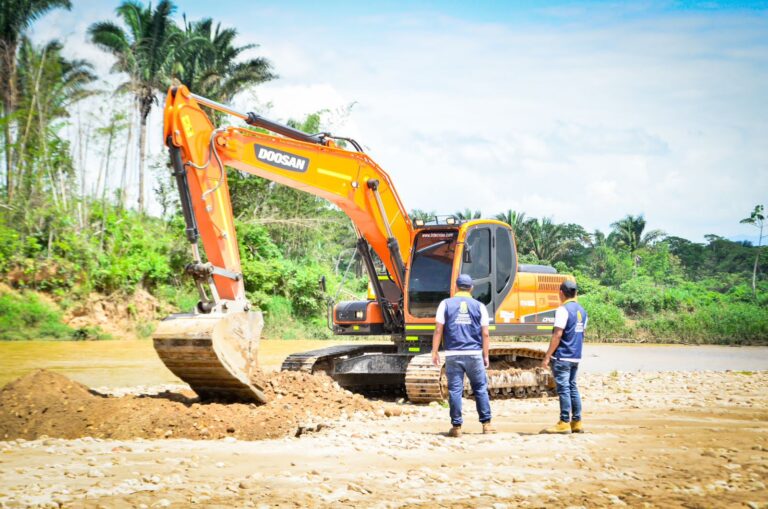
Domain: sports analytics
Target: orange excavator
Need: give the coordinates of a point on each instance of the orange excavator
(215, 347)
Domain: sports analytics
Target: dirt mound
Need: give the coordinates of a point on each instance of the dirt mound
(119, 315)
(46, 403)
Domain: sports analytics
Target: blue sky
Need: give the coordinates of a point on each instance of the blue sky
(583, 112)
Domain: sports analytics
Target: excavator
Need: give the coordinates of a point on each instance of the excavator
(411, 267)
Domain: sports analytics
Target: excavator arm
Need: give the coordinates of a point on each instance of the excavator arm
(311, 163)
(215, 348)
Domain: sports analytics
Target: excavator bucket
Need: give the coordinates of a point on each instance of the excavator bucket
(216, 353)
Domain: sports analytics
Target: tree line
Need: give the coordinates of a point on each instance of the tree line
(67, 232)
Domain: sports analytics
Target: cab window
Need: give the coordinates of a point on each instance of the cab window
(479, 244)
(430, 273)
(504, 259)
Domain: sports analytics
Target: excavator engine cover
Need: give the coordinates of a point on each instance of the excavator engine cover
(216, 353)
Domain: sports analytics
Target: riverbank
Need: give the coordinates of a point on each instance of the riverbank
(697, 439)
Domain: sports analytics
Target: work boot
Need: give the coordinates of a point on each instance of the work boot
(488, 428)
(577, 427)
(455, 432)
(561, 428)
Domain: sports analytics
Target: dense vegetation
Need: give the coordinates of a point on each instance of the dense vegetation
(65, 232)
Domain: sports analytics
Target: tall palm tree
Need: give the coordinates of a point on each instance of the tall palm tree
(519, 224)
(48, 85)
(15, 17)
(547, 239)
(628, 233)
(422, 214)
(207, 62)
(145, 51)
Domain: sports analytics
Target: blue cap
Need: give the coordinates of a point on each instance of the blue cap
(568, 285)
(464, 281)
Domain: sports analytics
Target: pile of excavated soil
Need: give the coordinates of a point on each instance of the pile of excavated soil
(46, 403)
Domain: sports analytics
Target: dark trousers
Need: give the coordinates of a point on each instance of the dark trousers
(565, 380)
(455, 368)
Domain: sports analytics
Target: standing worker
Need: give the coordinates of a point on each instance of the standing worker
(565, 352)
(465, 323)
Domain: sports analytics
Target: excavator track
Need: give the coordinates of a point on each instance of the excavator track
(215, 354)
(322, 360)
(513, 373)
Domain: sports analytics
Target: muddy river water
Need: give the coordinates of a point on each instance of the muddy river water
(128, 363)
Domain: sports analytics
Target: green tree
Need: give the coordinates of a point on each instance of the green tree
(145, 51)
(467, 214)
(48, 85)
(424, 215)
(629, 233)
(15, 17)
(208, 62)
(519, 224)
(547, 240)
(756, 219)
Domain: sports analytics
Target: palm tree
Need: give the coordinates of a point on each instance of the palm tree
(145, 51)
(15, 17)
(207, 62)
(628, 233)
(519, 224)
(423, 215)
(756, 219)
(467, 215)
(547, 240)
(48, 86)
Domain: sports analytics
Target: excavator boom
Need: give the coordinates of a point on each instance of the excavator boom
(310, 163)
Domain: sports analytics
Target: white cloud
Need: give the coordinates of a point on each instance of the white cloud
(598, 114)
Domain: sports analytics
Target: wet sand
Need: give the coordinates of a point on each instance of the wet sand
(653, 440)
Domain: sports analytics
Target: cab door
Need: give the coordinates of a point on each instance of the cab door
(490, 259)
(478, 262)
(504, 265)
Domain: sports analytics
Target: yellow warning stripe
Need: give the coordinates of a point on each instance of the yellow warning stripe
(411, 338)
(545, 327)
(414, 349)
(419, 327)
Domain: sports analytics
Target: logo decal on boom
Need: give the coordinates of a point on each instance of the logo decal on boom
(280, 159)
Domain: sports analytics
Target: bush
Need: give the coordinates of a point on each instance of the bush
(605, 320)
(25, 316)
(735, 323)
(640, 296)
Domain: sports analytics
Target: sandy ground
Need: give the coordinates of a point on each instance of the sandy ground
(653, 440)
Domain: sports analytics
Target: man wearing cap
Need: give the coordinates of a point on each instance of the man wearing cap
(464, 321)
(565, 354)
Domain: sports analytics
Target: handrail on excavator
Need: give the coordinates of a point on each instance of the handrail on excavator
(257, 120)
